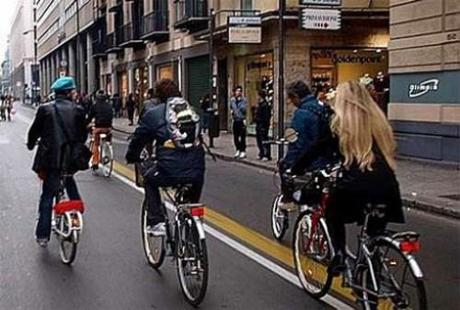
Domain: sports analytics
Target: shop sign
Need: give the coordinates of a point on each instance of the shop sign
(245, 20)
(245, 35)
(353, 58)
(321, 19)
(420, 89)
(320, 2)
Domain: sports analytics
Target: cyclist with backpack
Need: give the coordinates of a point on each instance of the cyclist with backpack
(175, 127)
(57, 125)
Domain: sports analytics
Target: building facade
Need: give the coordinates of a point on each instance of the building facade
(5, 87)
(425, 78)
(22, 50)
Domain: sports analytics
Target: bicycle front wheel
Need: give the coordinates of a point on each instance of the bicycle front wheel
(68, 246)
(106, 159)
(312, 254)
(154, 247)
(398, 285)
(279, 218)
(192, 261)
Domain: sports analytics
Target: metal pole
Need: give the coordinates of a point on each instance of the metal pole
(36, 66)
(281, 33)
(211, 69)
(77, 67)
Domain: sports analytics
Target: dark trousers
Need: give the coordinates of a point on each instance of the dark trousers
(152, 186)
(239, 135)
(261, 137)
(131, 115)
(49, 191)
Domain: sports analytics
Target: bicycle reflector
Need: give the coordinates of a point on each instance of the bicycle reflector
(410, 246)
(197, 211)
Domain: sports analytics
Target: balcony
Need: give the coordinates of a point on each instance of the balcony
(113, 45)
(155, 26)
(130, 35)
(116, 7)
(192, 15)
(100, 47)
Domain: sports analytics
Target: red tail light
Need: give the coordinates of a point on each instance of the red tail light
(198, 211)
(409, 246)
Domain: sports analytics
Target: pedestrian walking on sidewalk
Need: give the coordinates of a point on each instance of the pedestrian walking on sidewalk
(131, 106)
(262, 118)
(3, 108)
(239, 106)
(116, 104)
(207, 111)
(9, 107)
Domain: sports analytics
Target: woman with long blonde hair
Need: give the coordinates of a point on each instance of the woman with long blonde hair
(363, 138)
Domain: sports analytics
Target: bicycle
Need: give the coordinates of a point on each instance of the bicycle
(105, 153)
(185, 242)
(371, 272)
(67, 223)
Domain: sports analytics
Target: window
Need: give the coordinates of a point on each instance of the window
(246, 4)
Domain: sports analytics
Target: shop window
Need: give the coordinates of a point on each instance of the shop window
(369, 66)
(165, 72)
(254, 73)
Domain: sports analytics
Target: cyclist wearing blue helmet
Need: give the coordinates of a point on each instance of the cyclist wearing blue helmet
(54, 125)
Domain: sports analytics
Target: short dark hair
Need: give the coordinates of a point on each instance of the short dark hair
(151, 93)
(167, 88)
(298, 89)
(238, 87)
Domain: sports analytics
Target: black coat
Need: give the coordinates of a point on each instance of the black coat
(357, 188)
(263, 115)
(45, 129)
(101, 112)
(188, 164)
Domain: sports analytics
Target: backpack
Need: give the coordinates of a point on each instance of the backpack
(183, 123)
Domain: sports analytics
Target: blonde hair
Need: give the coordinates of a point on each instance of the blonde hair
(359, 122)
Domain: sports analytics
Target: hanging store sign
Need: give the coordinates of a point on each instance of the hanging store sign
(321, 19)
(245, 29)
(320, 2)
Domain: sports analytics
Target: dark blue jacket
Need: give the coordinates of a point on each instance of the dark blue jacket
(176, 163)
(310, 121)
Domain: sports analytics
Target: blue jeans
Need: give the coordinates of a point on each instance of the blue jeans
(49, 191)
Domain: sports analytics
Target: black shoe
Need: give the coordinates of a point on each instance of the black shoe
(94, 167)
(337, 265)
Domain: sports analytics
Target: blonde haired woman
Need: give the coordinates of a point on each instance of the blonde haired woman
(361, 134)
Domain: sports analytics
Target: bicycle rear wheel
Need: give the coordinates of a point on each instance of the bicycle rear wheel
(279, 219)
(106, 159)
(192, 261)
(154, 247)
(399, 286)
(312, 254)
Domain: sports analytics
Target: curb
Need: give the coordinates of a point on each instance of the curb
(407, 202)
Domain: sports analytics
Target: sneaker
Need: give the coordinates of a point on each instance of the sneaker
(43, 242)
(157, 230)
(242, 155)
(237, 154)
(266, 159)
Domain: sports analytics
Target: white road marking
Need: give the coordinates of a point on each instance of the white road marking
(251, 254)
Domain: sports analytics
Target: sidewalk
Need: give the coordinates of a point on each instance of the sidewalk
(424, 186)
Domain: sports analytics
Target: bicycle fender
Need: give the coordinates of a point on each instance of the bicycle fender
(199, 227)
(410, 258)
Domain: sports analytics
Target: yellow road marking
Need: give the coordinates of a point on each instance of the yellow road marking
(257, 241)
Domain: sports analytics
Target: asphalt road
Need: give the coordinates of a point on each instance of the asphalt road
(110, 271)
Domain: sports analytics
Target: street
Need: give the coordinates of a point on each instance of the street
(247, 268)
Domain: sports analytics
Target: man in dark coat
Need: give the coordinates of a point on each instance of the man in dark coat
(47, 130)
(263, 117)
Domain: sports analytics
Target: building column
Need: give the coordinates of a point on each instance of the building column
(71, 60)
(81, 69)
(130, 80)
(151, 67)
(50, 75)
(53, 69)
(114, 80)
(91, 71)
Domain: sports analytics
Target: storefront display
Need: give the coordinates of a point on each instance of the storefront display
(254, 73)
(165, 72)
(141, 81)
(369, 66)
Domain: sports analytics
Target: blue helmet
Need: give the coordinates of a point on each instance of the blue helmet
(63, 84)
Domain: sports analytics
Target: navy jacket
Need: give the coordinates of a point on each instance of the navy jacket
(174, 163)
(310, 121)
